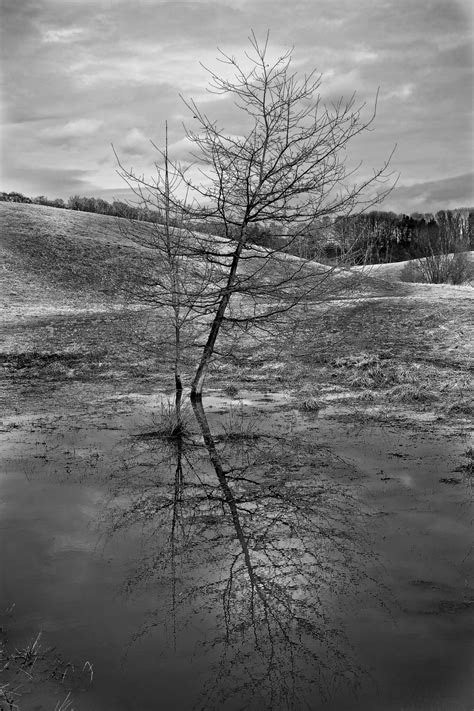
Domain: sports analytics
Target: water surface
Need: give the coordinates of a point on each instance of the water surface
(269, 560)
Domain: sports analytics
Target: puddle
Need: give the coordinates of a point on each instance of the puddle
(320, 565)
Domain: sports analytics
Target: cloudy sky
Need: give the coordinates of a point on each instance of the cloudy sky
(80, 75)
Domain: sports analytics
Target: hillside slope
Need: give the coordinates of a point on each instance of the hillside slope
(53, 258)
(65, 282)
(57, 259)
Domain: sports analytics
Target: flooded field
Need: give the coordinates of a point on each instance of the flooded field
(271, 558)
(305, 544)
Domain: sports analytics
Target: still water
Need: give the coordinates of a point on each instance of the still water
(262, 562)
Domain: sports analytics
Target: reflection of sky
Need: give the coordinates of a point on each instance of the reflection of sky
(96, 567)
(82, 75)
(48, 527)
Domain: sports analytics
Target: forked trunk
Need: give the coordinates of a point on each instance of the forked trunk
(201, 372)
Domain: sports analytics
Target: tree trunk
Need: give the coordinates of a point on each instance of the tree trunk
(201, 372)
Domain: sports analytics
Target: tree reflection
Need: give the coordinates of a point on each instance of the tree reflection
(260, 539)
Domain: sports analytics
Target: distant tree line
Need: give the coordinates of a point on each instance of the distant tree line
(89, 204)
(378, 237)
(368, 238)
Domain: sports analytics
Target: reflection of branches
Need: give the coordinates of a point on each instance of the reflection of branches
(265, 547)
(276, 612)
(177, 501)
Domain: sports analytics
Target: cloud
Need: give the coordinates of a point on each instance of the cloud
(181, 150)
(63, 34)
(335, 83)
(84, 73)
(401, 93)
(53, 182)
(433, 195)
(135, 143)
(363, 54)
(72, 130)
(187, 151)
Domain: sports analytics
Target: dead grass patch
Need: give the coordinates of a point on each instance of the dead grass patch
(372, 371)
(462, 408)
(231, 390)
(412, 393)
(309, 403)
(169, 424)
(239, 426)
(30, 665)
(308, 400)
(58, 366)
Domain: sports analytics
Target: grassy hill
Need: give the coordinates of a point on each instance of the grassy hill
(50, 255)
(66, 315)
(80, 268)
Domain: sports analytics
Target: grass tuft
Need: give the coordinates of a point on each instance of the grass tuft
(239, 427)
(8, 697)
(231, 390)
(467, 467)
(461, 408)
(309, 403)
(28, 655)
(65, 704)
(168, 424)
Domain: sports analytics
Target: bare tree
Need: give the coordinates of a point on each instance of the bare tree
(287, 167)
(169, 277)
(446, 257)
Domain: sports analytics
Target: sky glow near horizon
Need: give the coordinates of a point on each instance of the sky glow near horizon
(79, 76)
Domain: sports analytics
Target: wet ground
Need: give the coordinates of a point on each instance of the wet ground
(273, 558)
(307, 545)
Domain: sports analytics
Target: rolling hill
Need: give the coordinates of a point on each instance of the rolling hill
(54, 258)
(68, 289)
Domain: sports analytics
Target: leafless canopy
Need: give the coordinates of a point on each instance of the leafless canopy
(287, 166)
(290, 165)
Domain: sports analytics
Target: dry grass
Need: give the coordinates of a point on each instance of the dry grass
(410, 344)
(237, 425)
(29, 666)
(9, 696)
(168, 423)
(467, 467)
(65, 704)
(308, 400)
(231, 390)
(413, 393)
(462, 408)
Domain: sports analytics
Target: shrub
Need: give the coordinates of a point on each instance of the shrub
(440, 269)
(412, 273)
